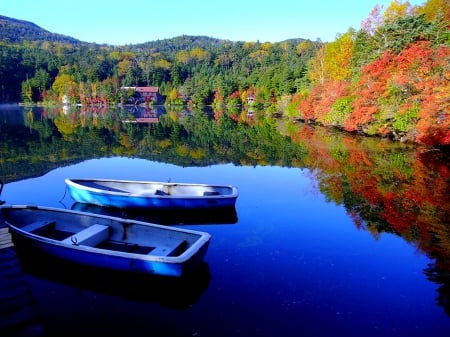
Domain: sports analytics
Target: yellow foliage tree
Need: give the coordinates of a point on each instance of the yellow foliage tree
(338, 58)
(248, 45)
(199, 54)
(316, 66)
(164, 64)
(63, 84)
(380, 16)
(395, 10)
(303, 47)
(183, 56)
(332, 61)
(124, 66)
(173, 94)
(266, 46)
(435, 8)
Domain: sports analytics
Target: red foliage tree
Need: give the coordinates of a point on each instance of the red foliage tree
(367, 91)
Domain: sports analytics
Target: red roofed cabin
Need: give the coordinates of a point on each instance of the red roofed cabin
(144, 94)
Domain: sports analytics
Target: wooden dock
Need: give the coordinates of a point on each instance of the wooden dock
(18, 316)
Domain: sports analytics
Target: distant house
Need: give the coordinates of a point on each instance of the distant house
(144, 94)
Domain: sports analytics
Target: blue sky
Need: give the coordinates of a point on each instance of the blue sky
(138, 21)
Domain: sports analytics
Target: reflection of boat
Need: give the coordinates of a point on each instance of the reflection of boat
(107, 242)
(172, 292)
(148, 194)
(220, 215)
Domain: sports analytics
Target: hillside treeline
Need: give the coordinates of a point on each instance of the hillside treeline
(390, 78)
(185, 68)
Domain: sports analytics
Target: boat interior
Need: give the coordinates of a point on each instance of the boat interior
(159, 189)
(99, 236)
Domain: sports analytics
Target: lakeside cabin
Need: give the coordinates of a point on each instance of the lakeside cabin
(144, 94)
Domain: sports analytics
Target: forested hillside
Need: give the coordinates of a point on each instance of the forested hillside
(390, 78)
(184, 68)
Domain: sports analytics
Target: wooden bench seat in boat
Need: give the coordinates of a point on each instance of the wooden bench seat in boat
(210, 193)
(170, 251)
(38, 226)
(90, 236)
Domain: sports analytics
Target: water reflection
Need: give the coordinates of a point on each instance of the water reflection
(222, 215)
(141, 114)
(385, 187)
(18, 314)
(177, 293)
(440, 276)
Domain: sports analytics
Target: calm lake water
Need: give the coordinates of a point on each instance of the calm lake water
(313, 249)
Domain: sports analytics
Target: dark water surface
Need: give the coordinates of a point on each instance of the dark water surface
(290, 262)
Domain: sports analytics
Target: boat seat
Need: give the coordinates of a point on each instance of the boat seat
(38, 226)
(160, 192)
(170, 251)
(210, 193)
(90, 236)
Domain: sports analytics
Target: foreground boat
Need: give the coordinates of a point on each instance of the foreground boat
(147, 194)
(107, 242)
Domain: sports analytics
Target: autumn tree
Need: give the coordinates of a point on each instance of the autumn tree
(316, 66)
(397, 9)
(64, 85)
(337, 57)
(332, 61)
(304, 47)
(436, 10)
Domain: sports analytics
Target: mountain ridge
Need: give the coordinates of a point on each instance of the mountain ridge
(16, 31)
